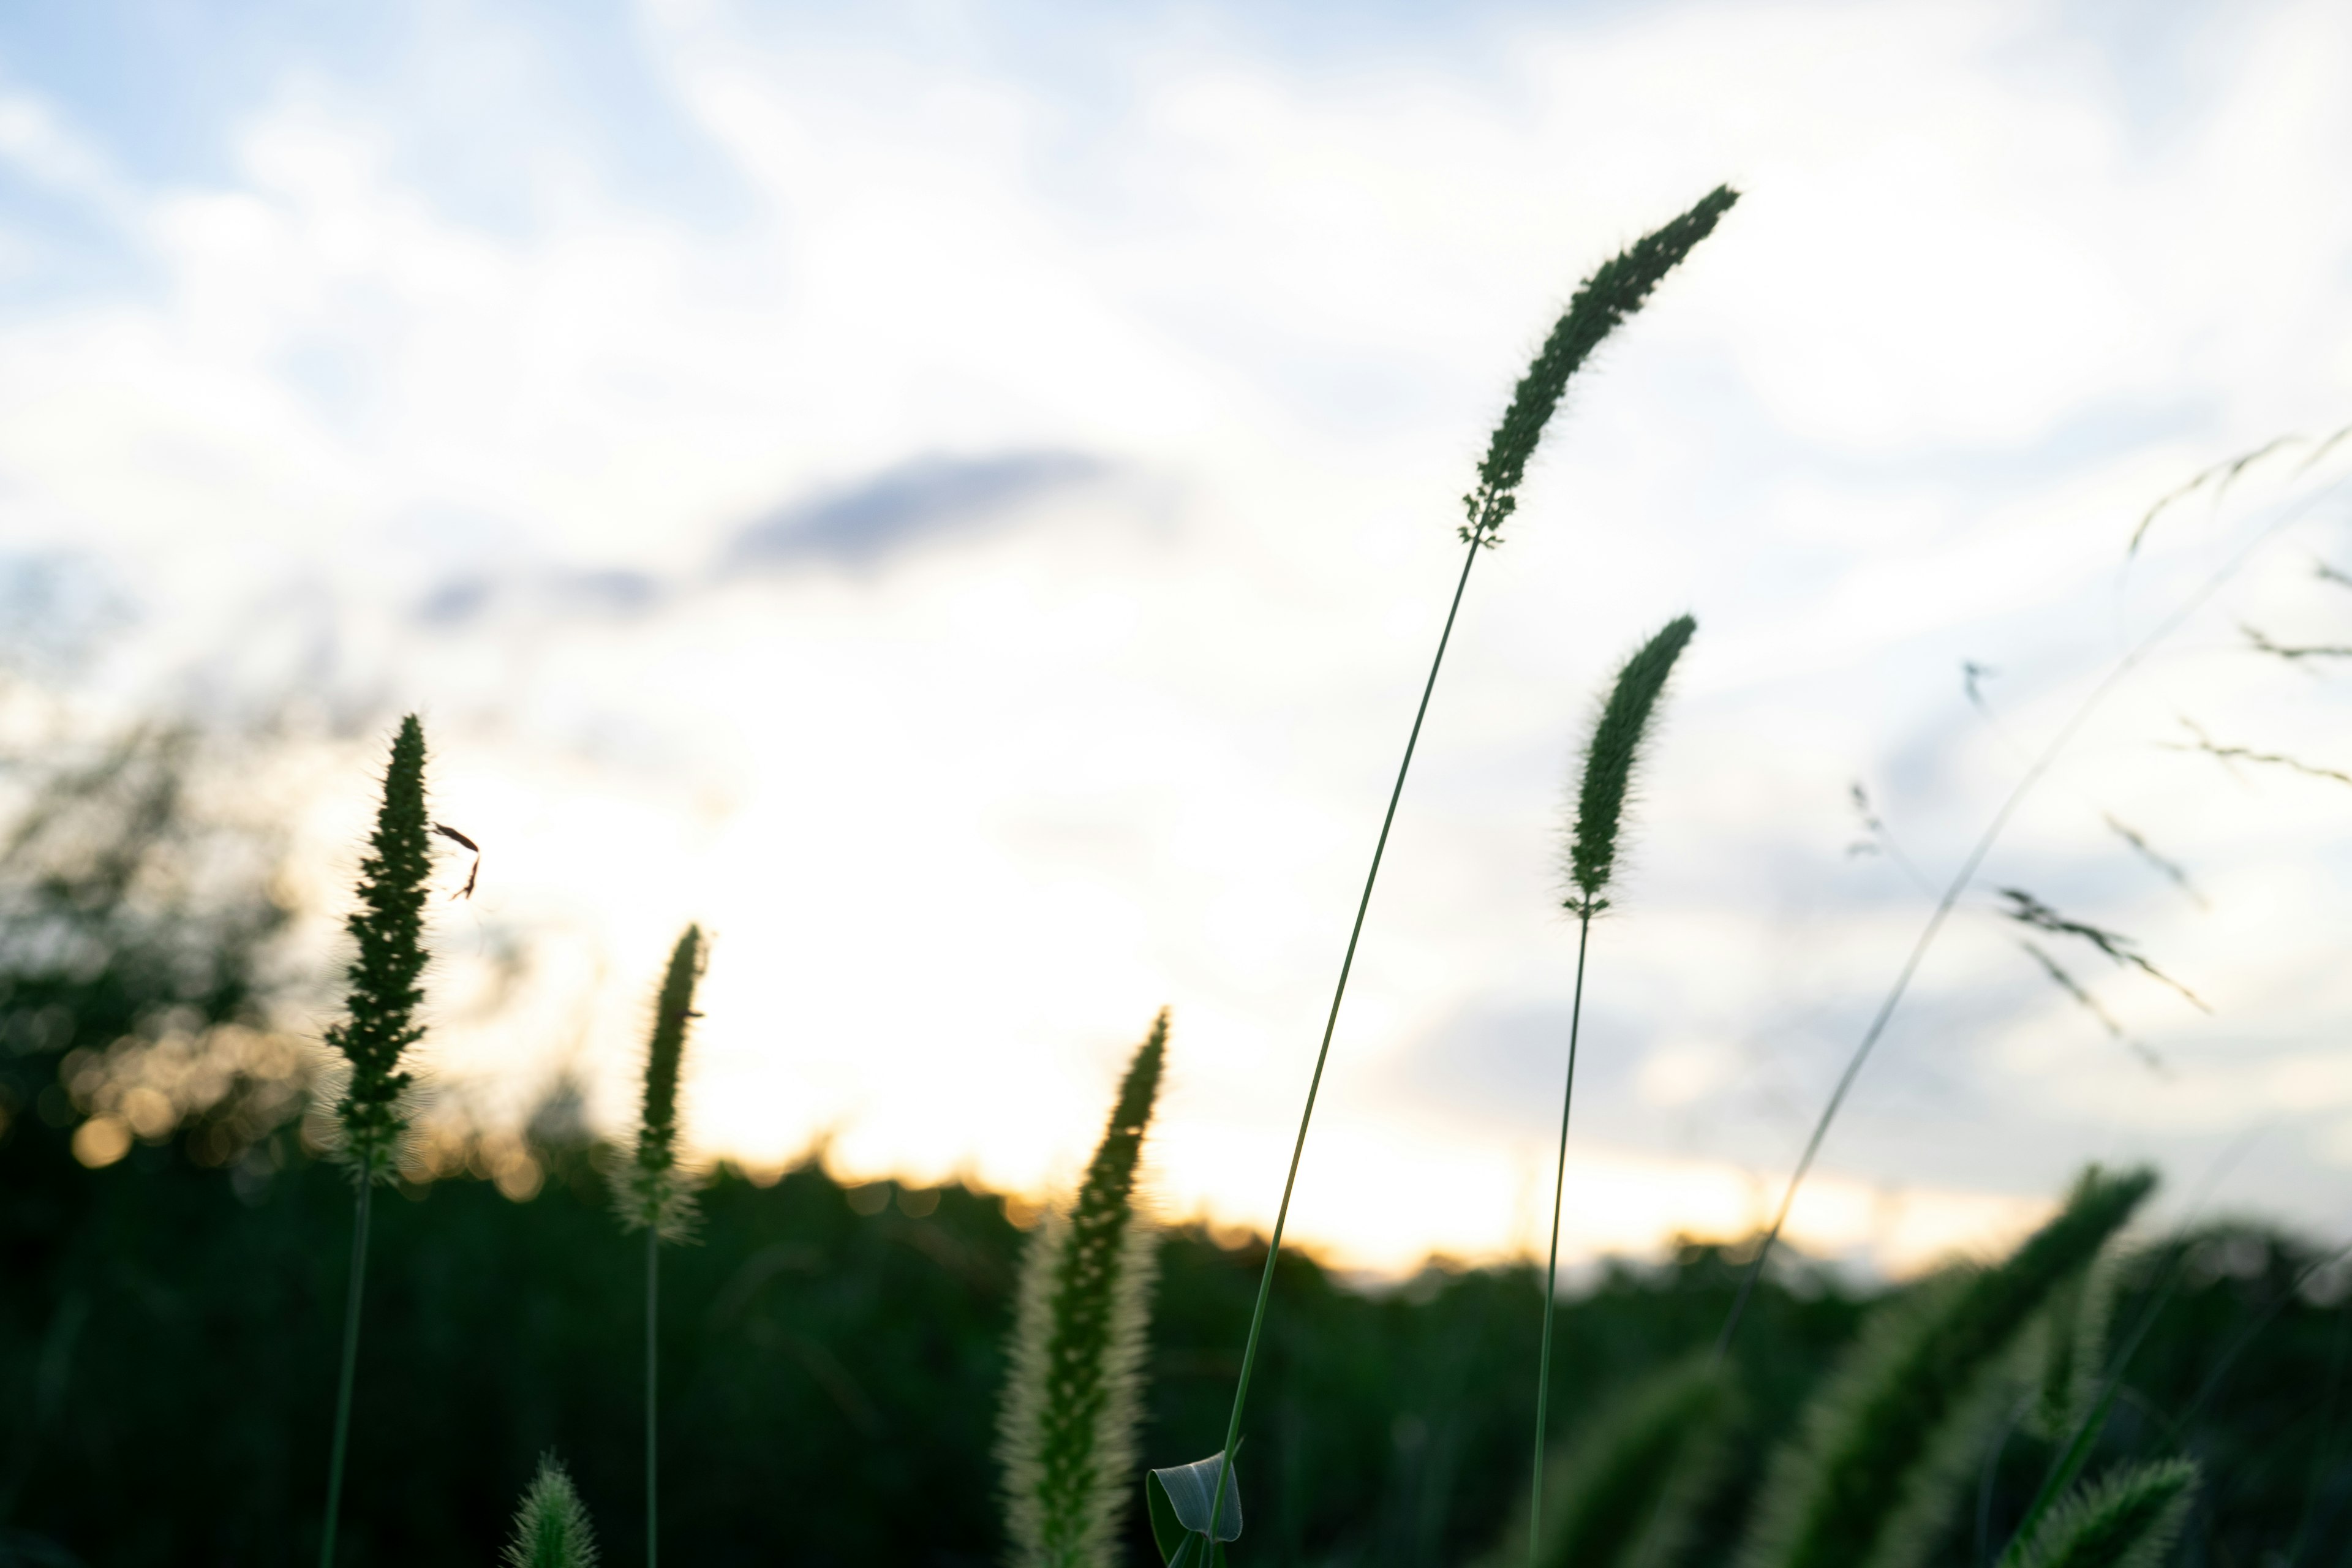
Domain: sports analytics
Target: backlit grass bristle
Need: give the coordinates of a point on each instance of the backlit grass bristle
(1610, 760)
(654, 1193)
(1877, 1468)
(1627, 1491)
(2128, 1520)
(1066, 1435)
(1617, 289)
(550, 1528)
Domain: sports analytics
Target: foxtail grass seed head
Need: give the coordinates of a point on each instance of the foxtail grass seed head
(2126, 1520)
(1609, 763)
(550, 1528)
(654, 1192)
(1629, 1489)
(380, 1020)
(1616, 290)
(1067, 1436)
(1874, 1475)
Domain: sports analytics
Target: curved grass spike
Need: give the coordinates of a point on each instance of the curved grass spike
(1067, 1435)
(1626, 1492)
(2128, 1520)
(550, 1528)
(1616, 290)
(654, 1196)
(1618, 287)
(379, 1024)
(1609, 760)
(1874, 1473)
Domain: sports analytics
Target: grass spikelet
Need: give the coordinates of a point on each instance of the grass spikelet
(550, 1528)
(1614, 291)
(1067, 1435)
(653, 1195)
(2128, 1520)
(1610, 759)
(1871, 1478)
(1626, 1491)
(389, 929)
(2073, 1346)
(379, 1025)
(1618, 287)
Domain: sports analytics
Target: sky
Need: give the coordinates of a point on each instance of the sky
(959, 500)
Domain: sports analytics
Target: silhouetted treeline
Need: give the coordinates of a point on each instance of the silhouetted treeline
(832, 1357)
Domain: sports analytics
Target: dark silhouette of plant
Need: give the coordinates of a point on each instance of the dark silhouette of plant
(1610, 758)
(1616, 290)
(653, 1193)
(379, 1024)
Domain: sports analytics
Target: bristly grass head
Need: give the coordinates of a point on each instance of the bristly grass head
(1609, 762)
(1615, 290)
(653, 1193)
(550, 1528)
(2128, 1520)
(1074, 1396)
(1871, 1476)
(388, 927)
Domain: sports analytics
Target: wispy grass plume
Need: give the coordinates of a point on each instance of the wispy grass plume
(2027, 910)
(1625, 1494)
(2128, 1520)
(379, 1025)
(1873, 1476)
(654, 1196)
(1609, 762)
(1067, 1435)
(1616, 290)
(550, 1528)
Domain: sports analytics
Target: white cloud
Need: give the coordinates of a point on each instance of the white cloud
(962, 823)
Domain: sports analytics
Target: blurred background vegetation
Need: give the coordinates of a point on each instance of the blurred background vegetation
(172, 1251)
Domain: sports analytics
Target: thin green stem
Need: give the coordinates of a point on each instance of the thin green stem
(653, 1368)
(1315, 1084)
(350, 1364)
(2024, 786)
(1552, 1268)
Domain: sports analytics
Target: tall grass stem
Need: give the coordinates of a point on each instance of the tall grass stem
(1331, 1022)
(1551, 1264)
(351, 1365)
(652, 1382)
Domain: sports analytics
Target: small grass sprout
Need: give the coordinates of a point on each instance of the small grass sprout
(1609, 763)
(550, 1528)
(1067, 1435)
(654, 1193)
(1875, 1474)
(379, 1026)
(2128, 1520)
(1616, 290)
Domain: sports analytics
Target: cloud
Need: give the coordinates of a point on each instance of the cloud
(465, 598)
(908, 505)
